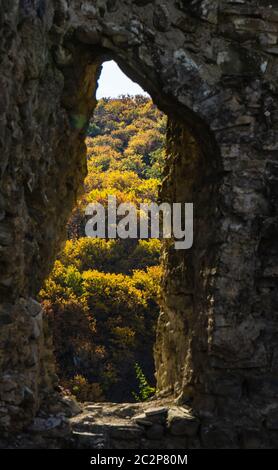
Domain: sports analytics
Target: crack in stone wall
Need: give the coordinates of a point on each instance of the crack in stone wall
(212, 67)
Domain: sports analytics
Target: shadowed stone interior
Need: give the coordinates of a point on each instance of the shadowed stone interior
(212, 68)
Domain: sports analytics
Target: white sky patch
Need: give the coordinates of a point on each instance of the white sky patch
(113, 82)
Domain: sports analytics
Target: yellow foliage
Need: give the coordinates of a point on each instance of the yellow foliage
(83, 390)
(101, 297)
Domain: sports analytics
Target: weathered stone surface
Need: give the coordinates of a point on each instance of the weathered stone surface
(161, 19)
(218, 436)
(181, 423)
(87, 440)
(72, 407)
(252, 439)
(41, 425)
(212, 67)
(105, 421)
(156, 431)
(127, 433)
(141, 3)
(142, 420)
(160, 412)
(157, 415)
(272, 420)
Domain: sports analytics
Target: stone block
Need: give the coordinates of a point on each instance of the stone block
(181, 423)
(155, 432)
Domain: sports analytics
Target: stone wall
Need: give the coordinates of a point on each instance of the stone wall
(212, 67)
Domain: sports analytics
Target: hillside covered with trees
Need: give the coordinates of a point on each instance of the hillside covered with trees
(101, 298)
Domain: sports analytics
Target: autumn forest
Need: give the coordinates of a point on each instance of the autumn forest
(101, 299)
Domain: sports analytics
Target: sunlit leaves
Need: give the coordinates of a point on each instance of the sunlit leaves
(101, 298)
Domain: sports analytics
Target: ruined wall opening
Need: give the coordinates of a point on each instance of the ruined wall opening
(192, 173)
(49, 190)
(211, 68)
(101, 299)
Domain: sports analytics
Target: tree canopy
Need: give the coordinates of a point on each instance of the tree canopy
(101, 298)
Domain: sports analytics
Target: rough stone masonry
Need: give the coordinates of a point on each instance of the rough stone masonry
(211, 66)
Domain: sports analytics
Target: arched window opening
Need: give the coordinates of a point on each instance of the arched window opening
(102, 295)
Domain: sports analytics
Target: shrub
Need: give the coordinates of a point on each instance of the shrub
(145, 390)
(83, 390)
